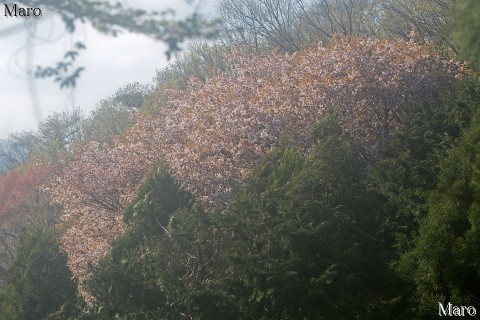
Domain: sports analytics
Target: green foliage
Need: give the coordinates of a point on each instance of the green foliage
(466, 30)
(58, 132)
(158, 198)
(124, 283)
(305, 241)
(301, 240)
(407, 170)
(114, 115)
(308, 236)
(312, 236)
(201, 61)
(156, 270)
(444, 262)
(39, 282)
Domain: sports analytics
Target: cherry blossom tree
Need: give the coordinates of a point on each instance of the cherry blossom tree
(94, 189)
(212, 133)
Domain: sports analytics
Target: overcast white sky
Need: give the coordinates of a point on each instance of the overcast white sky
(110, 63)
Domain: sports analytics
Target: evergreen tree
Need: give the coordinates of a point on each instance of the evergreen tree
(408, 167)
(39, 283)
(163, 266)
(305, 239)
(407, 173)
(301, 240)
(444, 264)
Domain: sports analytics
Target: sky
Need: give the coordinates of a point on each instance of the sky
(109, 64)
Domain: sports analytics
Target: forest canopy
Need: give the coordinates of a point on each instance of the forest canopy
(334, 177)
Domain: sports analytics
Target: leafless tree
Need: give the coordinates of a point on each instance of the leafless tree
(346, 17)
(430, 18)
(262, 23)
(290, 25)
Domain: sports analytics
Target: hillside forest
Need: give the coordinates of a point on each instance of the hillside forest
(317, 160)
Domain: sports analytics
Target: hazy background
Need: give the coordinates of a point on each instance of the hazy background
(110, 63)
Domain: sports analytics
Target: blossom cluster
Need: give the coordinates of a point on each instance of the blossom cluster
(213, 133)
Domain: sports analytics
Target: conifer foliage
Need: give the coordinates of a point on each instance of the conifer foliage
(40, 283)
(444, 261)
(300, 241)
